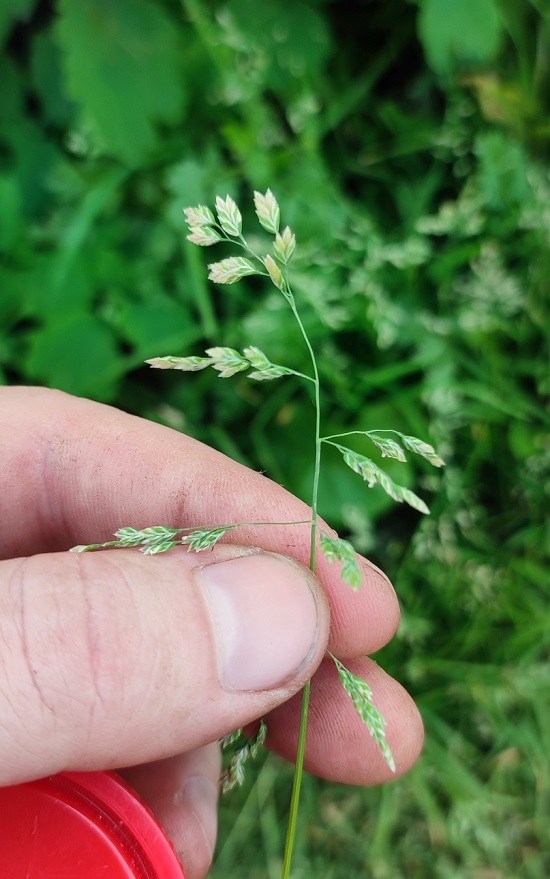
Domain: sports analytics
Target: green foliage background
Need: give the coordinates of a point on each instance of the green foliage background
(408, 144)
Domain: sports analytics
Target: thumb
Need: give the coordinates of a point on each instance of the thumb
(115, 658)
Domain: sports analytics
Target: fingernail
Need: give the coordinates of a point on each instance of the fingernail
(265, 617)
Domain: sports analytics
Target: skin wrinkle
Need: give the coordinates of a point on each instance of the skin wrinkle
(151, 676)
(67, 627)
(95, 627)
(53, 455)
(49, 455)
(20, 465)
(26, 638)
(155, 665)
(92, 641)
(14, 703)
(116, 691)
(95, 636)
(28, 645)
(9, 743)
(156, 670)
(74, 626)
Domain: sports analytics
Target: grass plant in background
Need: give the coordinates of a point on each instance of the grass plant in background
(207, 229)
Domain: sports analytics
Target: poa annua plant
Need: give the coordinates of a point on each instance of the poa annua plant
(208, 228)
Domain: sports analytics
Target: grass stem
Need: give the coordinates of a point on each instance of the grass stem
(302, 733)
(296, 784)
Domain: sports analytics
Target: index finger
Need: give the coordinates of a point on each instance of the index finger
(74, 471)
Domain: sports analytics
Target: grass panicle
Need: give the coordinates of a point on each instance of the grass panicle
(206, 229)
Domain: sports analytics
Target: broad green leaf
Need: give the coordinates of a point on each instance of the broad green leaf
(77, 354)
(503, 167)
(159, 323)
(289, 47)
(47, 80)
(12, 12)
(11, 215)
(458, 33)
(123, 67)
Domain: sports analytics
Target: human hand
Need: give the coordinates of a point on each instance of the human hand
(115, 659)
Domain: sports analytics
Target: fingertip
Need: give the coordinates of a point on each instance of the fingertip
(366, 619)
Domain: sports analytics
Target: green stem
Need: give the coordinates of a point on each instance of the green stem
(296, 784)
(234, 525)
(347, 433)
(302, 733)
(317, 465)
(359, 433)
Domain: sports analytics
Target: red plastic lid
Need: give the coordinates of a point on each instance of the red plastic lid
(82, 825)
